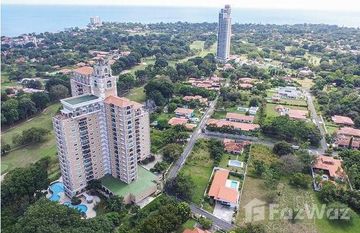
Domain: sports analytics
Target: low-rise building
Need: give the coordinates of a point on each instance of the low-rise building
(196, 230)
(253, 110)
(294, 114)
(342, 120)
(224, 190)
(234, 147)
(199, 98)
(329, 166)
(236, 125)
(289, 92)
(236, 117)
(177, 121)
(184, 112)
(245, 86)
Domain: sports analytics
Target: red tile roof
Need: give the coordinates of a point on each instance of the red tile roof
(218, 189)
(239, 117)
(333, 166)
(234, 147)
(196, 230)
(85, 70)
(349, 131)
(297, 114)
(121, 102)
(245, 85)
(236, 125)
(183, 111)
(177, 121)
(343, 120)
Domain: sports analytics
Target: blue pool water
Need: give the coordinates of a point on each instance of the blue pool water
(234, 184)
(81, 208)
(56, 189)
(235, 163)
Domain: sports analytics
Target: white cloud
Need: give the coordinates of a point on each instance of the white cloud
(333, 5)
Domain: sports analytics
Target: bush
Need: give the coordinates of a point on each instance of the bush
(205, 223)
(282, 148)
(300, 180)
(32, 135)
(75, 200)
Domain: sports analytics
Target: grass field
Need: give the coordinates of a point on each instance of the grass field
(271, 112)
(137, 94)
(144, 62)
(5, 82)
(29, 154)
(199, 166)
(306, 82)
(288, 197)
(197, 45)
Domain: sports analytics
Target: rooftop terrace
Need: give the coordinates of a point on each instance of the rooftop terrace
(80, 99)
(145, 180)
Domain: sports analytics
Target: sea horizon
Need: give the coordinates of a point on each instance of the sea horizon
(26, 18)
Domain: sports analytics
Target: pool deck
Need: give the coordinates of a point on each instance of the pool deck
(90, 213)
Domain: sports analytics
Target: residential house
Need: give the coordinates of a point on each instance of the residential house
(236, 117)
(233, 147)
(329, 166)
(236, 125)
(224, 190)
(184, 112)
(196, 230)
(342, 120)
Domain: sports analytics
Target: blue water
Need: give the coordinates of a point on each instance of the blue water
(55, 189)
(18, 19)
(81, 208)
(234, 184)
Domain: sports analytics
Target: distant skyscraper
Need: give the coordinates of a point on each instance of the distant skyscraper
(95, 21)
(224, 34)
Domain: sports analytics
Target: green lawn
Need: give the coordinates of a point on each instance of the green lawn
(5, 82)
(29, 154)
(225, 160)
(199, 166)
(189, 224)
(197, 45)
(144, 62)
(306, 82)
(271, 112)
(137, 94)
(314, 60)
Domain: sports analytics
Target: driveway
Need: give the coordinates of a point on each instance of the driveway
(223, 212)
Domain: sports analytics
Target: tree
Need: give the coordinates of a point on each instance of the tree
(9, 109)
(75, 200)
(282, 148)
(182, 186)
(171, 152)
(205, 223)
(40, 99)
(115, 203)
(94, 185)
(159, 167)
(171, 107)
(26, 108)
(327, 192)
(161, 62)
(125, 82)
(184, 211)
(259, 167)
(290, 164)
(32, 135)
(5, 148)
(300, 180)
(58, 92)
(216, 149)
(47, 216)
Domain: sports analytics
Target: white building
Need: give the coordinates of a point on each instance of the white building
(224, 34)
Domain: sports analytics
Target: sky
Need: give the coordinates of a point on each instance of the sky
(326, 5)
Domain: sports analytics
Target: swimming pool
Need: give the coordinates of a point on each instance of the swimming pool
(81, 208)
(234, 184)
(56, 189)
(236, 163)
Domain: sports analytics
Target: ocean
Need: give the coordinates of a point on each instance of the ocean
(19, 19)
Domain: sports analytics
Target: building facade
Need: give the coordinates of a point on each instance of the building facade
(224, 34)
(99, 133)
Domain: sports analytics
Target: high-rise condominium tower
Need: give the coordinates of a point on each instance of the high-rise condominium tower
(224, 34)
(99, 133)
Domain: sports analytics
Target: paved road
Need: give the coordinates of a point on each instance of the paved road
(217, 223)
(316, 119)
(180, 162)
